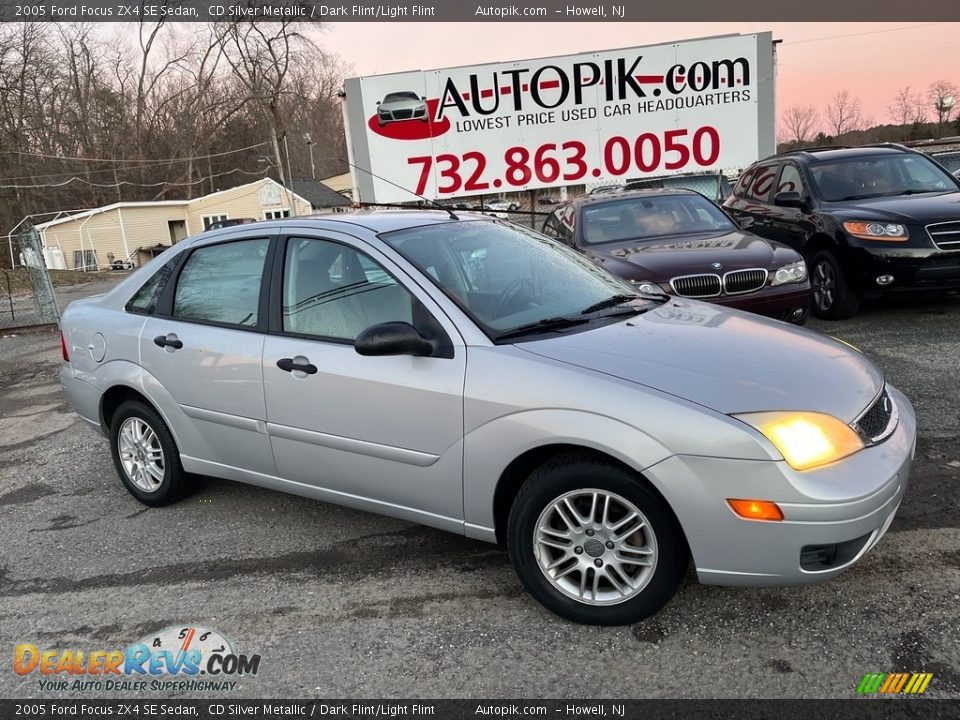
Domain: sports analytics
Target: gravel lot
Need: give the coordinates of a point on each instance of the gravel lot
(341, 603)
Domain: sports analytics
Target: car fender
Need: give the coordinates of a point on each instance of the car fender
(491, 447)
(123, 373)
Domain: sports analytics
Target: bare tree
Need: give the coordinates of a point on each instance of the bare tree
(88, 117)
(843, 114)
(801, 123)
(903, 107)
(944, 97)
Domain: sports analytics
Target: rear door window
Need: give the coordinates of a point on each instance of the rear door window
(221, 283)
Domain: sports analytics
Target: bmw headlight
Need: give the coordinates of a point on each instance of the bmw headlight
(806, 439)
(647, 288)
(792, 273)
(889, 232)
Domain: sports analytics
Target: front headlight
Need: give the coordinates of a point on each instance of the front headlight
(806, 439)
(647, 288)
(887, 232)
(792, 273)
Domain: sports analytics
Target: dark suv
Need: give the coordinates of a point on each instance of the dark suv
(867, 220)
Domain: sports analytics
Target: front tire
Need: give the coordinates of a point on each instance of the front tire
(594, 544)
(145, 455)
(833, 298)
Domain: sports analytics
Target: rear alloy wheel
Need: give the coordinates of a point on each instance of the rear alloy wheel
(146, 455)
(833, 298)
(594, 544)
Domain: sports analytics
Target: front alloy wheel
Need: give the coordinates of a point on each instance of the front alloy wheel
(833, 298)
(595, 546)
(594, 543)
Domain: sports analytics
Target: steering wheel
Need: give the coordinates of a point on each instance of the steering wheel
(516, 289)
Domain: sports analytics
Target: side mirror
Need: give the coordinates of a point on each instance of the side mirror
(424, 98)
(392, 338)
(378, 102)
(789, 200)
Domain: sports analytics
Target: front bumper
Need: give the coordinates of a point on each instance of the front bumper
(784, 302)
(911, 269)
(847, 506)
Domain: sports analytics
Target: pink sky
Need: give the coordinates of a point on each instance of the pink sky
(814, 64)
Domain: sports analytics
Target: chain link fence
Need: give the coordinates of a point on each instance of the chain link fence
(26, 292)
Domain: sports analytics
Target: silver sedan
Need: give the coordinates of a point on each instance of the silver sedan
(474, 376)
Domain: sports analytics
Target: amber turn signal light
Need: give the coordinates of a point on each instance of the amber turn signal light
(756, 509)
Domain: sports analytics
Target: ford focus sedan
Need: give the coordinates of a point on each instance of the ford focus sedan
(474, 376)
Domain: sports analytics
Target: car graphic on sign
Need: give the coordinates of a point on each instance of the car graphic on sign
(401, 106)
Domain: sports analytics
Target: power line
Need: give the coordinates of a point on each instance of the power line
(859, 34)
(161, 161)
(132, 184)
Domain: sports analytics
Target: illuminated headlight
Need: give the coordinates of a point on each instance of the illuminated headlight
(792, 273)
(888, 232)
(806, 439)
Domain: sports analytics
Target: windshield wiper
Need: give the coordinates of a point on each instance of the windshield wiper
(554, 323)
(611, 301)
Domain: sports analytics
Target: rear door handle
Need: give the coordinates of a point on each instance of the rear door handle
(170, 340)
(288, 365)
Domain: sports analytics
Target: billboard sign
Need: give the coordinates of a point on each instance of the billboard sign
(692, 106)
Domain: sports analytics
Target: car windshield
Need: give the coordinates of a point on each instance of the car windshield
(879, 176)
(397, 97)
(639, 218)
(507, 277)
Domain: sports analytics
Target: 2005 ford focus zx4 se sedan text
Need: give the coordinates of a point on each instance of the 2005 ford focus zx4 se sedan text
(471, 375)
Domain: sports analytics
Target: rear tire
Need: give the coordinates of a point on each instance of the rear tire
(833, 298)
(599, 574)
(146, 456)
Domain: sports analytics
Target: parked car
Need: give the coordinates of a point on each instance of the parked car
(498, 208)
(867, 220)
(950, 160)
(398, 106)
(410, 364)
(678, 242)
(712, 185)
(229, 222)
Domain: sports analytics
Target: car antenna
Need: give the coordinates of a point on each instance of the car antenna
(426, 200)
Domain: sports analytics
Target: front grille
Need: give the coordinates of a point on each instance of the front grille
(945, 236)
(403, 114)
(739, 282)
(879, 420)
(696, 286)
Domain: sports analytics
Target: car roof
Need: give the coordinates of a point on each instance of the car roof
(622, 194)
(813, 156)
(375, 221)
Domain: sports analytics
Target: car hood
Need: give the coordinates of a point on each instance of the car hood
(727, 360)
(904, 209)
(664, 258)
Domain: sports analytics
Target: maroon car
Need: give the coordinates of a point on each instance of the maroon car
(679, 242)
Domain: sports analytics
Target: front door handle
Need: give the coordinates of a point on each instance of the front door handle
(170, 340)
(288, 365)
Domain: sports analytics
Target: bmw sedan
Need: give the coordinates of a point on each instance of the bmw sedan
(678, 242)
(474, 376)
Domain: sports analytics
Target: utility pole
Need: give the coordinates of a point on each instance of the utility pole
(293, 199)
(306, 137)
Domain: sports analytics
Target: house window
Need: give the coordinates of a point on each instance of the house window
(84, 259)
(276, 214)
(209, 220)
